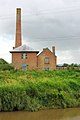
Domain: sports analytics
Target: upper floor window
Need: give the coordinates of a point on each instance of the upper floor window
(46, 60)
(24, 56)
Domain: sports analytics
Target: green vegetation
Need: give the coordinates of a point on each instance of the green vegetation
(2, 61)
(69, 66)
(4, 65)
(35, 90)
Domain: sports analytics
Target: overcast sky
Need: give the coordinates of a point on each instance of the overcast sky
(45, 23)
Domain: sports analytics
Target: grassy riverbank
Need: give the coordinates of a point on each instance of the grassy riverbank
(34, 90)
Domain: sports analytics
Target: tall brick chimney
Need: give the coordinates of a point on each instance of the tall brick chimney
(18, 39)
(53, 49)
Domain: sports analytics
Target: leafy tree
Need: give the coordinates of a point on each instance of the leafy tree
(5, 65)
(65, 65)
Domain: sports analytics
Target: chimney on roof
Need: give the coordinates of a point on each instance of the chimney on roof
(53, 49)
(18, 39)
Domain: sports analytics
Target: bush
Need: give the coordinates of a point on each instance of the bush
(5, 66)
(35, 90)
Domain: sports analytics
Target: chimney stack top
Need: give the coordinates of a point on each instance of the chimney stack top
(53, 49)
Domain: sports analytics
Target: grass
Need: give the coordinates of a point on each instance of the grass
(35, 90)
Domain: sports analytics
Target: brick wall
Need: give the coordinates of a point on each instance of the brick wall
(46, 53)
(31, 60)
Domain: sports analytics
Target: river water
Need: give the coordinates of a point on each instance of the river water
(55, 114)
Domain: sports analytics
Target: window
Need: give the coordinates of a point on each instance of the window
(46, 60)
(24, 56)
(24, 66)
(46, 68)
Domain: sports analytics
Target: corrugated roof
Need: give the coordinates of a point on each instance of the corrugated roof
(24, 48)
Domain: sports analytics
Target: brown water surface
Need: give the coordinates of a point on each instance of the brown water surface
(55, 114)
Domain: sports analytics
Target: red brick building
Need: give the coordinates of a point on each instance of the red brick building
(24, 57)
(47, 59)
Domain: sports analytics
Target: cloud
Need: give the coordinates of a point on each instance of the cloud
(5, 46)
(45, 23)
(68, 56)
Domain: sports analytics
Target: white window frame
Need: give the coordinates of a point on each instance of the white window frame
(24, 55)
(46, 60)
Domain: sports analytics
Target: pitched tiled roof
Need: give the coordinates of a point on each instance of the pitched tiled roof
(23, 48)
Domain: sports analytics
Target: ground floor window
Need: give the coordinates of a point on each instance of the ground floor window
(46, 68)
(24, 66)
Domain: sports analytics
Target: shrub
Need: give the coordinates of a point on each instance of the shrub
(34, 90)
